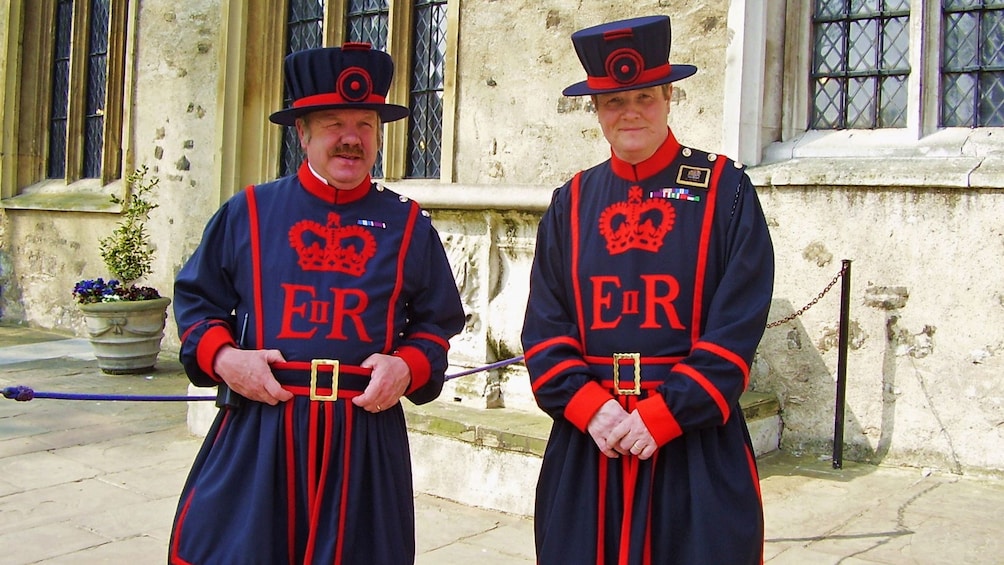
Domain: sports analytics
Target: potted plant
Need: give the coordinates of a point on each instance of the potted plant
(125, 322)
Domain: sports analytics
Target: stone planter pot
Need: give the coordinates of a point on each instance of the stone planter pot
(126, 335)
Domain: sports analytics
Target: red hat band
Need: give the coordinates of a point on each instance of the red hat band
(627, 77)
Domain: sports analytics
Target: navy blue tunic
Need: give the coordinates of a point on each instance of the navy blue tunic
(318, 274)
(664, 268)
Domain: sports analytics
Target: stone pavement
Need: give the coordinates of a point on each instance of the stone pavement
(97, 482)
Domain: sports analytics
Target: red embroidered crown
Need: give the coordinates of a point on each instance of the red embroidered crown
(323, 250)
(636, 226)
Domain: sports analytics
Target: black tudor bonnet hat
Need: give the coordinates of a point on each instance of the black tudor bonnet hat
(626, 55)
(351, 76)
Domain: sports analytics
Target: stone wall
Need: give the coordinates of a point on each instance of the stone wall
(927, 301)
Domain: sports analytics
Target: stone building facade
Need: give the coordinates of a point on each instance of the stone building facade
(916, 208)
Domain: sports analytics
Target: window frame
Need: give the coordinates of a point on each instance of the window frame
(780, 133)
(27, 101)
(253, 42)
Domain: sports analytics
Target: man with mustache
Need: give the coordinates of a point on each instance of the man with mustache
(315, 302)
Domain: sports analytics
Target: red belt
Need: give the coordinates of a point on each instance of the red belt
(635, 360)
(322, 366)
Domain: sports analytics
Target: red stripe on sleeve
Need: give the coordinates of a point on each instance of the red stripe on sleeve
(418, 365)
(555, 370)
(445, 344)
(563, 340)
(215, 338)
(659, 420)
(585, 403)
(729, 356)
(712, 391)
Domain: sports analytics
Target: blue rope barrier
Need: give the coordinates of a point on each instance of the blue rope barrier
(22, 393)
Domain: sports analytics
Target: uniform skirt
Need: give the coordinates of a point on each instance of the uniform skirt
(300, 482)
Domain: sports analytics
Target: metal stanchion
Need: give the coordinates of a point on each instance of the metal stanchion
(838, 420)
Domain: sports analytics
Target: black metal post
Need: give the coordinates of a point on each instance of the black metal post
(838, 420)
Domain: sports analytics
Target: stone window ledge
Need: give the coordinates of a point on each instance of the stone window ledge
(55, 195)
(435, 195)
(950, 158)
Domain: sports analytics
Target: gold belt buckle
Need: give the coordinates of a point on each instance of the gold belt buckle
(636, 358)
(314, 364)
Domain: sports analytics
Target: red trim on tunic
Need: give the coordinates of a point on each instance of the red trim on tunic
(343, 510)
(585, 403)
(418, 365)
(659, 419)
(256, 268)
(647, 548)
(666, 153)
(755, 476)
(328, 193)
(708, 387)
(409, 229)
(312, 499)
(601, 507)
(558, 368)
(445, 344)
(730, 356)
(175, 558)
(315, 503)
(555, 341)
(215, 338)
(574, 227)
(702, 252)
(629, 467)
(290, 482)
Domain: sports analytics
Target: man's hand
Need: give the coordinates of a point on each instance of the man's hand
(247, 372)
(633, 437)
(602, 424)
(388, 382)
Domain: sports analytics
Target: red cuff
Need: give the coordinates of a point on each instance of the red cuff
(659, 420)
(585, 404)
(418, 365)
(210, 344)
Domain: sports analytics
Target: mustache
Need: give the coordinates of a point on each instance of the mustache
(348, 149)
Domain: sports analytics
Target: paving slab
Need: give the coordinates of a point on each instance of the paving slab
(97, 482)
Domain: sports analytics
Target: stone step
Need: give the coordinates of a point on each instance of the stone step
(490, 457)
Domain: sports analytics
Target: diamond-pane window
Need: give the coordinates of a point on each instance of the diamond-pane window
(426, 103)
(366, 22)
(304, 27)
(860, 64)
(97, 75)
(972, 63)
(60, 90)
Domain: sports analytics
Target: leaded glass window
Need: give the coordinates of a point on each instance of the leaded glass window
(972, 63)
(58, 111)
(426, 104)
(366, 22)
(304, 29)
(97, 75)
(860, 64)
(77, 129)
